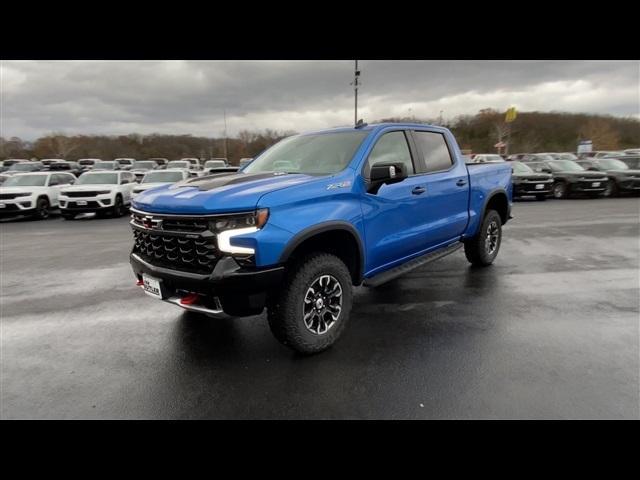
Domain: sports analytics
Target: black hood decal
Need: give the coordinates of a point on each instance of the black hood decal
(218, 180)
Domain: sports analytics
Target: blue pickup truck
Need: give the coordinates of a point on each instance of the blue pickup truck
(313, 216)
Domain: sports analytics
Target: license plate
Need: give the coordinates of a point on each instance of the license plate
(81, 202)
(540, 186)
(595, 184)
(151, 286)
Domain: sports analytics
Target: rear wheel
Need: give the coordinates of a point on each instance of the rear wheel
(483, 249)
(560, 190)
(42, 209)
(311, 311)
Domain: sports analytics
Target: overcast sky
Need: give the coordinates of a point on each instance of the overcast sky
(188, 97)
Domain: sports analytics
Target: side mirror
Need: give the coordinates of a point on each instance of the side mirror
(385, 173)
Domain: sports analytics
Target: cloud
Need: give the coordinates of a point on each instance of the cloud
(189, 97)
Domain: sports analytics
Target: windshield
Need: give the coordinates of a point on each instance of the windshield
(104, 166)
(492, 158)
(98, 179)
(567, 156)
(145, 165)
(162, 177)
(565, 166)
(321, 154)
(125, 161)
(86, 162)
(521, 168)
(214, 164)
(25, 167)
(612, 164)
(178, 164)
(543, 156)
(26, 181)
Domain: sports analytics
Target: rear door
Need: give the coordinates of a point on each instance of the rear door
(446, 180)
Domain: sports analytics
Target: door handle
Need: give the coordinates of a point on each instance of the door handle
(418, 190)
(461, 183)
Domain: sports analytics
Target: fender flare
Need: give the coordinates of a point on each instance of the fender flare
(323, 227)
(497, 191)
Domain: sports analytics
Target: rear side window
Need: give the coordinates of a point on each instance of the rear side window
(392, 148)
(435, 153)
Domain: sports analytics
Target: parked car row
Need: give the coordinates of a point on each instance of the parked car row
(562, 175)
(100, 191)
(139, 167)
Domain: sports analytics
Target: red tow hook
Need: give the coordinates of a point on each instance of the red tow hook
(190, 299)
(139, 283)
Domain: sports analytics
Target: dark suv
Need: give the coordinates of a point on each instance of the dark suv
(570, 178)
(622, 179)
(526, 182)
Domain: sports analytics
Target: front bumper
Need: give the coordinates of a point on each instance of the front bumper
(18, 206)
(589, 186)
(531, 188)
(92, 204)
(228, 279)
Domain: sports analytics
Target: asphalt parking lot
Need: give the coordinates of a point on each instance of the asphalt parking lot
(551, 330)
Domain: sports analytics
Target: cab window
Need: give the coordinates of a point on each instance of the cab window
(434, 151)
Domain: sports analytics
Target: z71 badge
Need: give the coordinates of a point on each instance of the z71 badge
(331, 186)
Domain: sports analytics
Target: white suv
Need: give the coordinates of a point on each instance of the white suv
(100, 192)
(155, 178)
(33, 194)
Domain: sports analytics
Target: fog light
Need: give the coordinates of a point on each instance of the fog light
(26, 204)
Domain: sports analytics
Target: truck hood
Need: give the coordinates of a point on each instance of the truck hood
(227, 192)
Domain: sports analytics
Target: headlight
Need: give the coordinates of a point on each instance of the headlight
(234, 225)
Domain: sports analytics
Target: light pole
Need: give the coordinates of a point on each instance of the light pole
(355, 89)
(224, 113)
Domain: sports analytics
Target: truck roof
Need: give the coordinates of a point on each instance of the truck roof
(372, 126)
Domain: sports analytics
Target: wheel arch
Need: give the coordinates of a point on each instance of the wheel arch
(497, 200)
(336, 237)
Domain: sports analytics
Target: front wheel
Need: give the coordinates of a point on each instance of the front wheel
(560, 190)
(118, 208)
(482, 250)
(42, 209)
(311, 311)
(612, 189)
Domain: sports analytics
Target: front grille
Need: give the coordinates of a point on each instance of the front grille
(198, 255)
(81, 194)
(10, 196)
(174, 224)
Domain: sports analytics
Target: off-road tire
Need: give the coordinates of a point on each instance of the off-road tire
(285, 309)
(476, 249)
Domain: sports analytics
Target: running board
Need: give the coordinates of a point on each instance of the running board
(387, 275)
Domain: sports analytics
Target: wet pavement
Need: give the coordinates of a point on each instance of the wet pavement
(551, 330)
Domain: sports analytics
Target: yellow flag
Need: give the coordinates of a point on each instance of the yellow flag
(511, 115)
